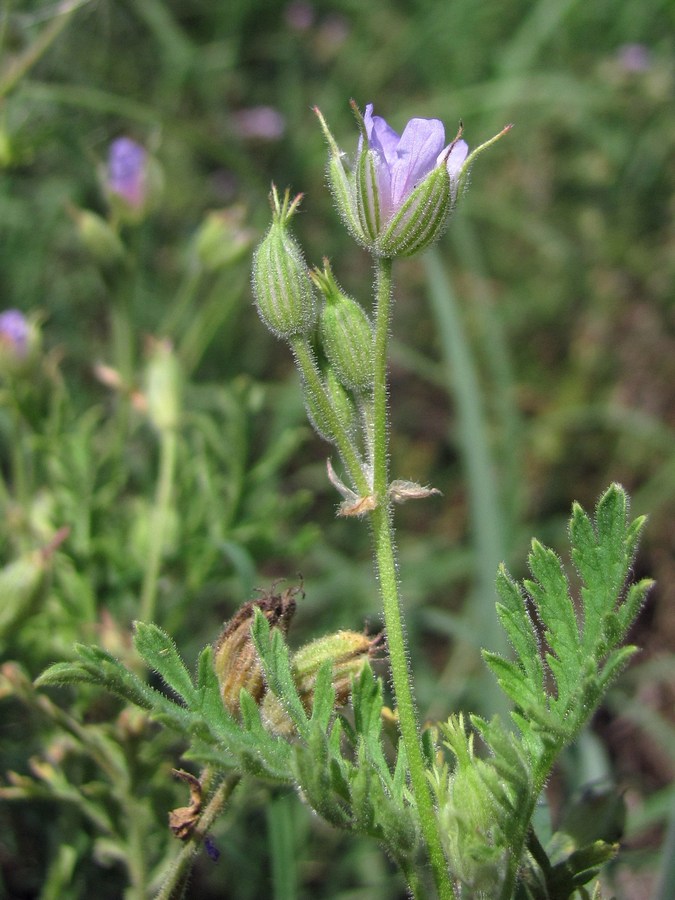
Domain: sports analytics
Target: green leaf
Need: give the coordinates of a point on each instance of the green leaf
(518, 625)
(275, 661)
(324, 696)
(211, 707)
(100, 668)
(603, 552)
(400, 779)
(313, 773)
(550, 592)
(627, 612)
(367, 704)
(363, 787)
(159, 652)
(514, 682)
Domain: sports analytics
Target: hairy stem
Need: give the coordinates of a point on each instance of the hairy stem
(386, 564)
(348, 452)
(165, 479)
(173, 887)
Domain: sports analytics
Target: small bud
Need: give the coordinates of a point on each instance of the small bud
(98, 237)
(236, 660)
(163, 385)
(346, 651)
(341, 403)
(22, 583)
(283, 292)
(222, 238)
(346, 333)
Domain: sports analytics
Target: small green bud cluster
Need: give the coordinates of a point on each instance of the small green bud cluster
(238, 667)
(283, 293)
(286, 301)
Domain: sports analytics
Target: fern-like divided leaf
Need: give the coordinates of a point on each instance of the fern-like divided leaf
(197, 712)
(583, 652)
(344, 775)
(555, 682)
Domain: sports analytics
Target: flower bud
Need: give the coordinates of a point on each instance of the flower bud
(23, 581)
(341, 403)
(98, 237)
(127, 179)
(283, 292)
(236, 661)
(163, 385)
(346, 651)
(222, 238)
(346, 334)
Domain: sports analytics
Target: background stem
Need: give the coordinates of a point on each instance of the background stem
(167, 465)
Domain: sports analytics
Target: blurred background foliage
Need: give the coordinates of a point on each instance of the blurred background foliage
(534, 362)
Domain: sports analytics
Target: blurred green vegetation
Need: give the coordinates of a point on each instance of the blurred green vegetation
(534, 354)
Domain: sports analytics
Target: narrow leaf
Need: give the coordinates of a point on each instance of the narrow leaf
(159, 652)
(514, 617)
(275, 661)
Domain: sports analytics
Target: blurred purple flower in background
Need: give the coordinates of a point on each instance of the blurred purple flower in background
(634, 58)
(263, 123)
(299, 15)
(403, 161)
(127, 171)
(14, 331)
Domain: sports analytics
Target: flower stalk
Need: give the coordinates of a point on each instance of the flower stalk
(386, 567)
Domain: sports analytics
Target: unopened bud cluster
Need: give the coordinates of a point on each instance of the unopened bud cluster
(345, 651)
(238, 667)
(285, 296)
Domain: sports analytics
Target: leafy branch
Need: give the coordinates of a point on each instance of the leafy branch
(566, 655)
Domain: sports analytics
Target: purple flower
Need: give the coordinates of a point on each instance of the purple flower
(14, 332)
(127, 171)
(398, 194)
(404, 161)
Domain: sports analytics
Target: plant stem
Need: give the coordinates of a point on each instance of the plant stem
(173, 887)
(167, 464)
(386, 565)
(348, 453)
